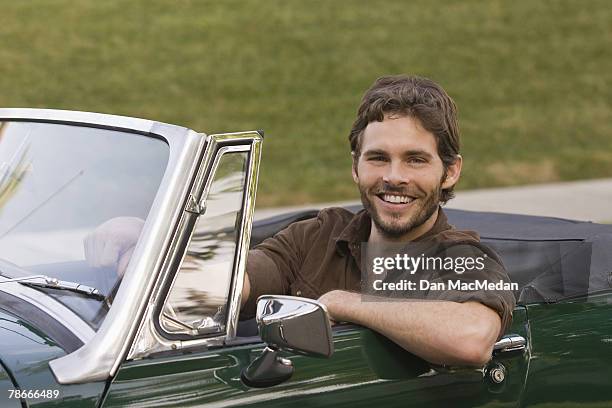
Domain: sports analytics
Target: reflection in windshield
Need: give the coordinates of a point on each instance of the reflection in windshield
(59, 182)
(13, 170)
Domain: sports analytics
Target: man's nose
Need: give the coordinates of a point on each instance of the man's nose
(396, 174)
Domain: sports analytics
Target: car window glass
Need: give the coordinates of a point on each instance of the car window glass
(197, 302)
(57, 184)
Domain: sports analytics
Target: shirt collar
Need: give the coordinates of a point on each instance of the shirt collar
(358, 230)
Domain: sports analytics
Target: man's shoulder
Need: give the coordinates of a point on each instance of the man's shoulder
(335, 215)
(456, 236)
(465, 243)
(328, 221)
(327, 216)
(461, 242)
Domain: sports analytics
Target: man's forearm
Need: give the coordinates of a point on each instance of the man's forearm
(441, 332)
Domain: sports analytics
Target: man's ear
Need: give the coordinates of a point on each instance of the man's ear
(354, 168)
(453, 172)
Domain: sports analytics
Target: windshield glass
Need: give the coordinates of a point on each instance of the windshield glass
(57, 184)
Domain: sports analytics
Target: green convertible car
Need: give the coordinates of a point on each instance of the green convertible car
(165, 331)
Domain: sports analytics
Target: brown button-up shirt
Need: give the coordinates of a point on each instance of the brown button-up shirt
(315, 256)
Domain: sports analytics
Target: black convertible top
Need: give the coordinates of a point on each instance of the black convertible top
(524, 227)
(550, 258)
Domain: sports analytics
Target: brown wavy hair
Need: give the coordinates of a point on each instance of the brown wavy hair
(416, 97)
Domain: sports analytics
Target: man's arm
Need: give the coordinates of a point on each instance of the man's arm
(441, 332)
(273, 265)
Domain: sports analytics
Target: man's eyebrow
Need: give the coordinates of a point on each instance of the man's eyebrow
(375, 152)
(422, 153)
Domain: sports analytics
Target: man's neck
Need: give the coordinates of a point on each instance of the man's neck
(377, 237)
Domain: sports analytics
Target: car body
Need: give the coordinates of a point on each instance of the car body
(167, 332)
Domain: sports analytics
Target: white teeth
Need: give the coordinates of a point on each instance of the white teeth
(396, 199)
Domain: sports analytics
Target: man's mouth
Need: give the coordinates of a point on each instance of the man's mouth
(395, 198)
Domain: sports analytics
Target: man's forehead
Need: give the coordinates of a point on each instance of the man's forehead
(398, 134)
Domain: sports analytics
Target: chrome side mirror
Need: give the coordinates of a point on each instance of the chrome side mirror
(294, 324)
(287, 323)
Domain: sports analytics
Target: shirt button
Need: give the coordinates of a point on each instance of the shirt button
(298, 293)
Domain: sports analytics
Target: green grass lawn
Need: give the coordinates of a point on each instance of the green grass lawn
(533, 80)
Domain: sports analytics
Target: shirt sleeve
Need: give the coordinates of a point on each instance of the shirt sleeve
(465, 280)
(274, 264)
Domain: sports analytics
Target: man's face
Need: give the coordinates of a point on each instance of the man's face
(400, 175)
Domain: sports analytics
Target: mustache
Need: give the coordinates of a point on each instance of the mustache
(385, 188)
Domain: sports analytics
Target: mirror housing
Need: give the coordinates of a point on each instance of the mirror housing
(295, 324)
(287, 323)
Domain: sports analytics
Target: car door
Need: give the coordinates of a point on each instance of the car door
(365, 370)
(187, 352)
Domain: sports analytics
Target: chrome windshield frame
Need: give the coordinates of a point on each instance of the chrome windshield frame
(101, 355)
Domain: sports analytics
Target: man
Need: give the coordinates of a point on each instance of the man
(406, 162)
(405, 149)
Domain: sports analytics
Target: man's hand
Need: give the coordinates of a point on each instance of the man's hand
(328, 299)
(442, 332)
(111, 244)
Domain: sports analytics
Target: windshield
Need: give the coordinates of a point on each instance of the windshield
(57, 184)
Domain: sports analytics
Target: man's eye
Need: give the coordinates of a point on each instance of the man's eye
(417, 160)
(377, 158)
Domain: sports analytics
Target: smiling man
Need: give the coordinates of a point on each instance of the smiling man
(405, 149)
(406, 162)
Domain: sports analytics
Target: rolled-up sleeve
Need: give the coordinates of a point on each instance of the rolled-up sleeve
(275, 263)
(501, 300)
